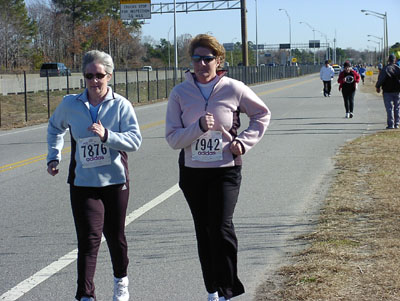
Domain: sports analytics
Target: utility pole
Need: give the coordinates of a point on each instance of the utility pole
(245, 49)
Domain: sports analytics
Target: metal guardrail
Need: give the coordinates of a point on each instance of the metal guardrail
(29, 97)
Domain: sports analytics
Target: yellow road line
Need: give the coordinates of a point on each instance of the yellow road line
(28, 161)
(285, 87)
(144, 127)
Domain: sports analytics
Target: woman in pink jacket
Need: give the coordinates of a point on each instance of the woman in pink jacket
(203, 121)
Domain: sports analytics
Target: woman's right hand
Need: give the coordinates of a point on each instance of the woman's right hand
(52, 168)
(207, 121)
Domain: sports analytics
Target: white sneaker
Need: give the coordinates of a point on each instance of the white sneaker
(347, 115)
(121, 289)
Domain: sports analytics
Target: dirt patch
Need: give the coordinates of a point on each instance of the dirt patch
(354, 253)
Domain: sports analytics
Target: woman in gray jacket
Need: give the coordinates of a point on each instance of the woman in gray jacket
(103, 128)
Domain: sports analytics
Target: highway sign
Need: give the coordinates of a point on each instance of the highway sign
(135, 9)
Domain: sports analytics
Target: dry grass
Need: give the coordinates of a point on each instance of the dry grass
(354, 254)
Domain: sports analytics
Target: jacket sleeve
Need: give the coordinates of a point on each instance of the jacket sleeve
(357, 77)
(56, 129)
(259, 115)
(129, 137)
(381, 79)
(176, 134)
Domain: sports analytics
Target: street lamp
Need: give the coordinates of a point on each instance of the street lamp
(326, 40)
(290, 34)
(385, 29)
(381, 40)
(169, 51)
(233, 48)
(313, 29)
(375, 43)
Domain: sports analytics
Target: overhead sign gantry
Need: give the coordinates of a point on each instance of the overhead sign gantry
(143, 9)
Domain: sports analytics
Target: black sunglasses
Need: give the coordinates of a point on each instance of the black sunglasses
(97, 75)
(206, 58)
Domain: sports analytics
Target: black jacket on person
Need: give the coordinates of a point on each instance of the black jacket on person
(389, 79)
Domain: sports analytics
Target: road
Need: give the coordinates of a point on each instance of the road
(284, 180)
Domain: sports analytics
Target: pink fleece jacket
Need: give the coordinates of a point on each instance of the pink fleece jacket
(186, 105)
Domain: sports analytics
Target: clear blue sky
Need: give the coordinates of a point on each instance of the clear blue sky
(343, 17)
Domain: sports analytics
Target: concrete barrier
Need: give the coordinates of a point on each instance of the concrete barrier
(14, 83)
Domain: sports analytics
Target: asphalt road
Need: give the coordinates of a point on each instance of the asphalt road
(284, 180)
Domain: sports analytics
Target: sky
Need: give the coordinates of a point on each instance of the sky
(342, 19)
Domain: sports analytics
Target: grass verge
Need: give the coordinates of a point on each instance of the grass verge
(354, 252)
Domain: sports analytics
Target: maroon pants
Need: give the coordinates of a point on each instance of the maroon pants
(99, 210)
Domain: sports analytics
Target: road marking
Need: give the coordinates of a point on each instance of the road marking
(28, 161)
(66, 150)
(144, 127)
(28, 284)
(285, 87)
(24, 130)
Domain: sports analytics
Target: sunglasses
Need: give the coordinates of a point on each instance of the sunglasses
(206, 58)
(97, 75)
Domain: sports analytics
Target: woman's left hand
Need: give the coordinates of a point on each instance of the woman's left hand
(98, 129)
(236, 148)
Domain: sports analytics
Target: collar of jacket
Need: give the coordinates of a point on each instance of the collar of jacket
(190, 76)
(84, 96)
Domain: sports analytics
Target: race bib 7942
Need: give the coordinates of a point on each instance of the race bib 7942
(208, 147)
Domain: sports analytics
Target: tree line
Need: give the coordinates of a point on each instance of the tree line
(63, 30)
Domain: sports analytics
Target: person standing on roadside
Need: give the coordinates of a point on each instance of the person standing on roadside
(103, 127)
(389, 80)
(348, 80)
(203, 121)
(326, 74)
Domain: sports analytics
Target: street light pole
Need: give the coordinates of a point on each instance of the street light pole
(175, 44)
(379, 44)
(326, 40)
(381, 40)
(233, 48)
(385, 29)
(313, 30)
(169, 49)
(245, 51)
(290, 34)
(256, 36)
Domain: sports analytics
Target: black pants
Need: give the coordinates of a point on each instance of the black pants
(348, 97)
(212, 194)
(97, 211)
(327, 87)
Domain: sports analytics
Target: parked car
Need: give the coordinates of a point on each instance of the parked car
(147, 68)
(337, 68)
(54, 69)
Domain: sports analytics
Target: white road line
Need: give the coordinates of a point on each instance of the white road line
(28, 284)
(33, 128)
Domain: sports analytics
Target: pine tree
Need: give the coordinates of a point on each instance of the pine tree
(16, 32)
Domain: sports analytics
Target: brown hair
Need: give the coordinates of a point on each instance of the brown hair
(210, 42)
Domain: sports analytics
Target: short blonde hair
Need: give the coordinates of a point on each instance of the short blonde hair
(210, 42)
